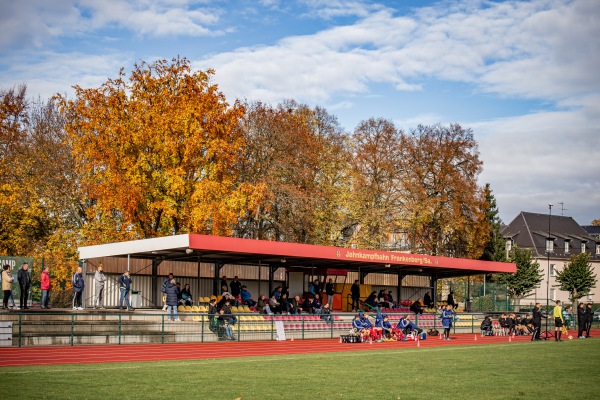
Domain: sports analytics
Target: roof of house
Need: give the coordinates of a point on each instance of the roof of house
(530, 231)
(592, 230)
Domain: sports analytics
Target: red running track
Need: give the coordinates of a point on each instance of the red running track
(52, 355)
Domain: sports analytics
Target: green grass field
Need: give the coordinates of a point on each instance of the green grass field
(567, 370)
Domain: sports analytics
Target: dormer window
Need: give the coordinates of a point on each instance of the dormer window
(597, 249)
(583, 247)
(549, 245)
(567, 246)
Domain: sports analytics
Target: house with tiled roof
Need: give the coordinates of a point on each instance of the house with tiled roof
(552, 240)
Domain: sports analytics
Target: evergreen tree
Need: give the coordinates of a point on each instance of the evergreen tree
(577, 277)
(528, 275)
(494, 248)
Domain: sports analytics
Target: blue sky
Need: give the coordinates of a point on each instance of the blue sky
(522, 74)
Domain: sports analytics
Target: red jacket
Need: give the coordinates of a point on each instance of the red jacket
(45, 280)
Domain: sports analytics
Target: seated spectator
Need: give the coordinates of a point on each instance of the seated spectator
(212, 308)
(296, 306)
(390, 299)
(225, 297)
(371, 301)
(224, 289)
(316, 305)
(274, 305)
(382, 299)
(325, 313)
(417, 307)
(246, 297)
(277, 293)
(427, 301)
(186, 296)
(511, 324)
(223, 324)
(504, 323)
(487, 327)
(227, 309)
(285, 304)
(307, 305)
(262, 305)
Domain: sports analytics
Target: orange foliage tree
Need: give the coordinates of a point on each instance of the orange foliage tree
(156, 151)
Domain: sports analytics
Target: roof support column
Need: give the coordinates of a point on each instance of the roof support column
(155, 302)
(434, 289)
(216, 277)
(399, 288)
(272, 269)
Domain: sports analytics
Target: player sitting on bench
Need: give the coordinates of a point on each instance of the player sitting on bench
(408, 327)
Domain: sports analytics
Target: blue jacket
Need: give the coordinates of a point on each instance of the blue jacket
(125, 282)
(172, 294)
(366, 323)
(78, 283)
(359, 324)
(245, 295)
(379, 320)
(447, 316)
(386, 325)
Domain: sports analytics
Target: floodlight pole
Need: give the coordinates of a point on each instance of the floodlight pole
(548, 249)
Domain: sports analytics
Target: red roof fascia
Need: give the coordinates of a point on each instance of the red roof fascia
(286, 249)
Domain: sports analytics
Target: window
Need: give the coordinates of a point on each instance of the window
(597, 249)
(553, 294)
(549, 245)
(583, 247)
(567, 243)
(552, 271)
(509, 244)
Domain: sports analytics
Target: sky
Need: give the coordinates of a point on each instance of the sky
(523, 75)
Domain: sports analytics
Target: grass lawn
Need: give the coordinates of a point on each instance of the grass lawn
(541, 370)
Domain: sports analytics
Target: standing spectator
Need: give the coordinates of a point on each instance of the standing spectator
(172, 295)
(7, 280)
(329, 291)
(125, 287)
(224, 286)
(355, 292)
(235, 286)
(581, 320)
(99, 281)
(246, 297)
(186, 295)
(24, 284)
(589, 313)
(536, 320)
(450, 300)
(163, 289)
(559, 322)
(45, 286)
(78, 285)
(428, 301)
(447, 316)
(314, 287)
(277, 292)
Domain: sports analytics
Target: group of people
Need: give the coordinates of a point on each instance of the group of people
(24, 279)
(382, 329)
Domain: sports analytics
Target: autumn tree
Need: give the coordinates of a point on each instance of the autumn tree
(376, 171)
(295, 155)
(444, 209)
(156, 151)
(528, 275)
(577, 277)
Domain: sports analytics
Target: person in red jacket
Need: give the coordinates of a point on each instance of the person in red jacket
(45, 286)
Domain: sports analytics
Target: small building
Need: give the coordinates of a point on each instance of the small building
(567, 238)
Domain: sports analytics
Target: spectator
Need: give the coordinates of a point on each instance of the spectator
(24, 284)
(125, 288)
(78, 286)
(447, 316)
(307, 305)
(45, 286)
(7, 280)
(163, 289)
(224, 297)
(224, 287)
(186, 295)
(235, 286)
(589, 313)
(223, 323)
(383, 298)
(99, 282)
(536, 321)
(274, 305)
(277, 292)
(371, 301)
(314, 287)
(296, 306)
(212, 308)
(450, 300)
(558, 321)
(172, 295)
(428, 301)
(286, 291)
(326, 313)
(285, 304)
(390, 299)
(330, 291)
(416, 307)
(581, 320)
(486, 327)
(263, 305)
(316, 304)
(355, 293)
(227, 308)
(504, 323)
(246, 297)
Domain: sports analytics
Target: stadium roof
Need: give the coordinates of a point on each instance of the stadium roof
(227, 250)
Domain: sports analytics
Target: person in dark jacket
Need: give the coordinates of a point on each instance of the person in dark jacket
(416, 307)
(581, 320)
(296, 306)
(450, 300)
(262, 305)
(355, 293)
(186, 295)
(486, 327)
(24, 284)
(212, 308)
(235, 286)
(163, 289)
(536, 320)
(589, 313)
(330, 291)
(427, 301)
(172, 295)
(125, 288)
(371, 301)
(78, 286)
